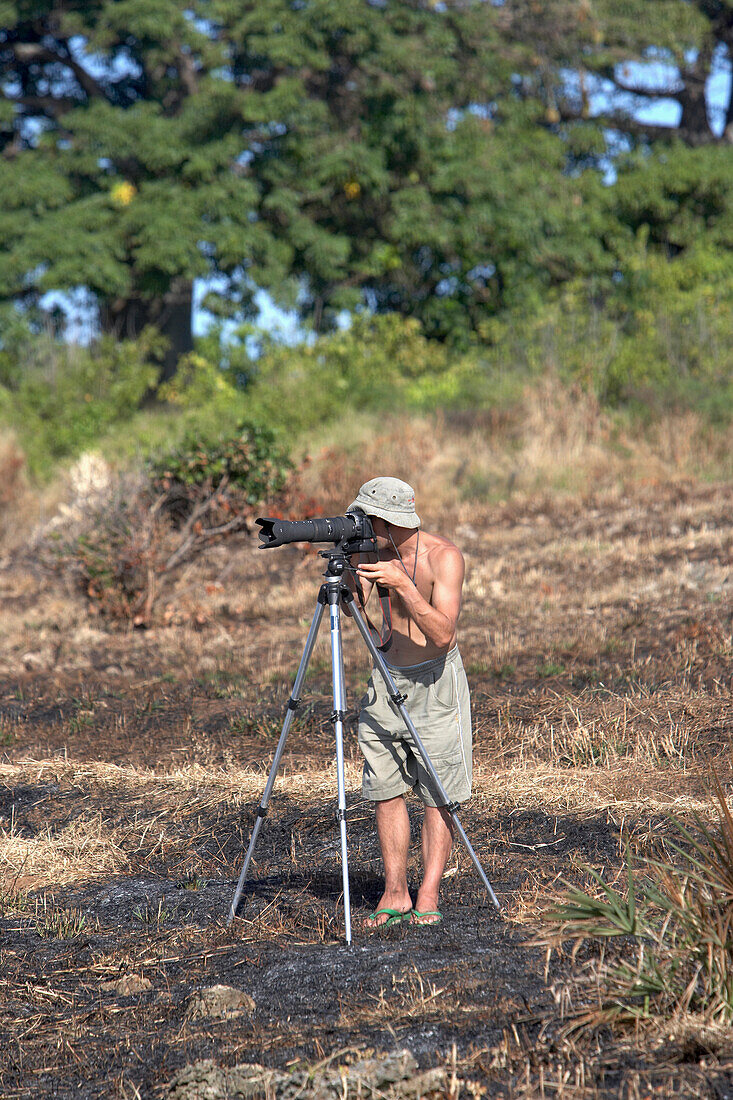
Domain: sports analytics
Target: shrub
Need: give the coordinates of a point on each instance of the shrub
(380, 363)
(60, 399)
(130, 541)
(210, 488)
(676, 922)
(251, 462)
(661, 338)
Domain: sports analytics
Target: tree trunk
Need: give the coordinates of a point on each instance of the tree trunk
(125, 318)
(694, 124)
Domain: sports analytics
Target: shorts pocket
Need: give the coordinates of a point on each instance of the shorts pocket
(443, 689)
(451, 772)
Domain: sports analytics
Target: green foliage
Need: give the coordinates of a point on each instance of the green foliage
(641, 51)
(437, 160)
(380, 362)
(251, 461)
(676, 913)
(679, 198)
(130, 540)
(659, 338)
(265, 142)
(61, 400)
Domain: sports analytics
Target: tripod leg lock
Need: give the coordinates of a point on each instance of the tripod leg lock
(338, 716)
(340, 816)
(293, 704)
(452, 807)
(262, 811)
(398, 699)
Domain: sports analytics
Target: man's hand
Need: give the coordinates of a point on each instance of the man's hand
(387, 573)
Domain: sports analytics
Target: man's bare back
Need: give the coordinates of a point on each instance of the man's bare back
(424, 613)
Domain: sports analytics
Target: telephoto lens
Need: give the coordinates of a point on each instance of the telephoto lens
(335, 529)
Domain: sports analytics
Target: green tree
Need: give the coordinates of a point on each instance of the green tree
(335, 152)
(400, 154)
(119, 160)
(636, 52)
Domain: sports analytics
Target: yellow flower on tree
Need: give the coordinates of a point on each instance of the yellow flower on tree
(352, 189)
(123, 193)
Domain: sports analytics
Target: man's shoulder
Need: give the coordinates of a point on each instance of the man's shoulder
(441, 550)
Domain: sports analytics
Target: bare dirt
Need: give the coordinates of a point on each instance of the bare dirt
(597, 638)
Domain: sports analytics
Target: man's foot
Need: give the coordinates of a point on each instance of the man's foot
(385, 918)
(393, 907)
(428, 916)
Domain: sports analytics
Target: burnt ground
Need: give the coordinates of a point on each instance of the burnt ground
(596, 636)
(464, 982)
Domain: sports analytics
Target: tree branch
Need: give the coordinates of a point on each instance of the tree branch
(52, 106)
(648, 93)
(28, 52)
(188, 72)
(618, 122)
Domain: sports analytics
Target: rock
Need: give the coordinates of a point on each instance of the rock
(128, 986)
(206, 1081)
(34, 662)
(220, 1001)
(394, 1076)
(87, 635)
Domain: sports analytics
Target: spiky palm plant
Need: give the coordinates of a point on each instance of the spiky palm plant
(674, 922)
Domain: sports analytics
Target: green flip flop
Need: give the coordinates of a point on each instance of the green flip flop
(418, 918)
(394, 916)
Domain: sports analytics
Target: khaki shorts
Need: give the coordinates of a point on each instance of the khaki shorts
(438, 704)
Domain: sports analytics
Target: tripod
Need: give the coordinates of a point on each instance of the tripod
(332, 592)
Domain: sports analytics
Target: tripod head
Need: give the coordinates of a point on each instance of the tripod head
(338, 558)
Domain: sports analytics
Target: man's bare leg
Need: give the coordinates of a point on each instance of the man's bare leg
(393, 829)
(437, 841)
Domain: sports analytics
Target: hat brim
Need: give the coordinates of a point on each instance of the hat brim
(396, 516)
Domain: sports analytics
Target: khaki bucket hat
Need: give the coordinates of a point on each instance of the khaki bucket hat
(390, 499)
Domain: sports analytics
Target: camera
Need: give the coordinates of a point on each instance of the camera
(352, 533)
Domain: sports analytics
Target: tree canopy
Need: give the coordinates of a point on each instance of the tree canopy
(443, 160)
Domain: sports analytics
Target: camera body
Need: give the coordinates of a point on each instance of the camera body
(352, 533)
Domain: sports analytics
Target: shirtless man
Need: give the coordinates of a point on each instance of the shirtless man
(424, 575)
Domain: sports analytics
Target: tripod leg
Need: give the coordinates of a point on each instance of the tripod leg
(292, 705)
(339, 711)
(437, 785)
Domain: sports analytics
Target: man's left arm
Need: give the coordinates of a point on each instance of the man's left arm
(438, 619)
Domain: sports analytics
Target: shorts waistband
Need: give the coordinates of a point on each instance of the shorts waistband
(424, 666)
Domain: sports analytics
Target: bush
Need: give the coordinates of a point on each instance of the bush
(135, 537)
(380, 363)
(61, 399)
(661, 339)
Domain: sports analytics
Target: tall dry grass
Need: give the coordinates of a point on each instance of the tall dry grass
(555, 439)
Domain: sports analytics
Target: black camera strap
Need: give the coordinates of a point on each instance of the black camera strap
(384, 637)
(381, 638)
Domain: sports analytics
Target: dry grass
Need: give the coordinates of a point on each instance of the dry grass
(162, 808)
(597, 636)
(554, 440)
(83, 850)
